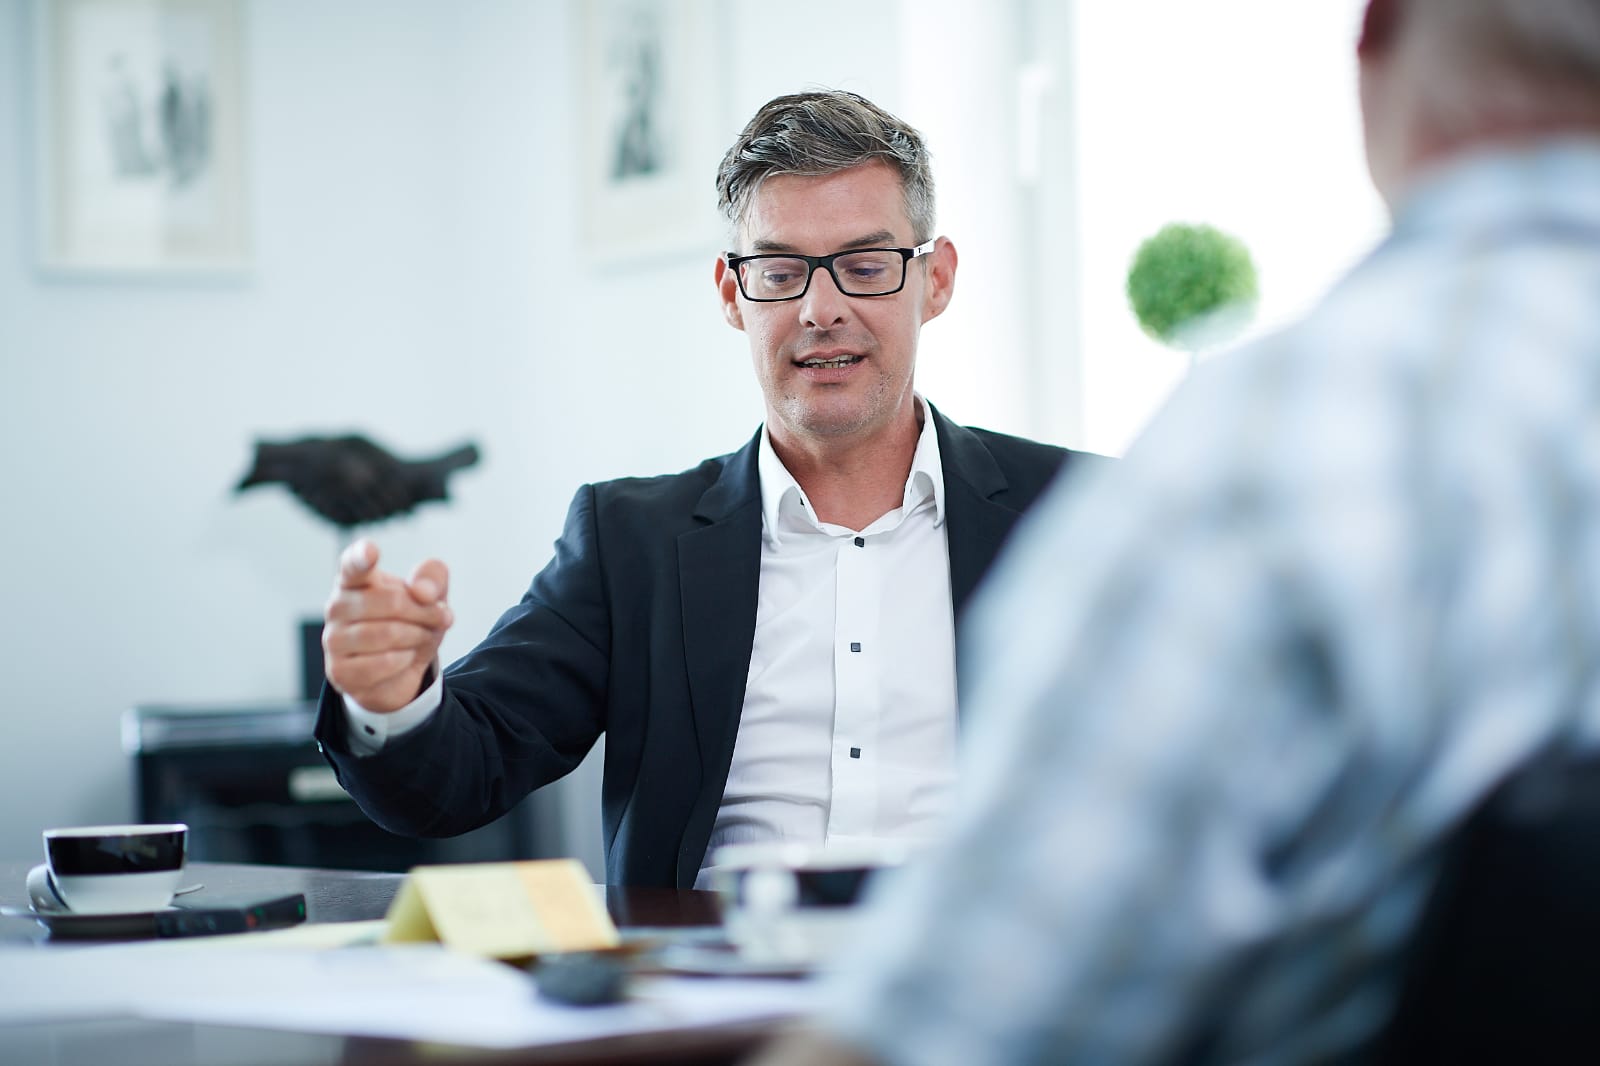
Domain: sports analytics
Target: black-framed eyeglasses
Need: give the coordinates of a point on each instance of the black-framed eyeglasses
(857, 272)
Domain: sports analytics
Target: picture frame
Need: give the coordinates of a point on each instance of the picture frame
(140, 138)
(648, 113)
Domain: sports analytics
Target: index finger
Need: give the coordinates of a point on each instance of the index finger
(357, 564)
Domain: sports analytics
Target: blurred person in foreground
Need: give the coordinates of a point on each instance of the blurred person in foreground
(1346, 582)
(767, 641)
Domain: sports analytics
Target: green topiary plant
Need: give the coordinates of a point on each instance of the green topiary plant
(1192, 286)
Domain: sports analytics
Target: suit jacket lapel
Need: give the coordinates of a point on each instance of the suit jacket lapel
(977, 522)
(719, 571)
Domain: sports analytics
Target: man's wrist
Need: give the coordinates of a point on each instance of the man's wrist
(368, 731)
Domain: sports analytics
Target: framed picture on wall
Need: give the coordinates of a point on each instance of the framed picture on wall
(140, 136)
(647, 114)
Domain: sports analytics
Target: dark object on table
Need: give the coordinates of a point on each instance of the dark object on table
(209, 917)
(219, 915)
(351, 481)
(582, 978)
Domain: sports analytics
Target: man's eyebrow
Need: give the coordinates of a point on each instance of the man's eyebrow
(880, 239)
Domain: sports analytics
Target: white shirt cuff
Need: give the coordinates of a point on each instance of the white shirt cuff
(367, 731)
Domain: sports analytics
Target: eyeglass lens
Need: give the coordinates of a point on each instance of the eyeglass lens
(865, 273)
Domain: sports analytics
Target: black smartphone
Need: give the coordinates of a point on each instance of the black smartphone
(205, 917)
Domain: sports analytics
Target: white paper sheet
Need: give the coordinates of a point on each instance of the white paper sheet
(417, 992)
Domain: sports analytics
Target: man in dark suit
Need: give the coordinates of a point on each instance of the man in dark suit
(767, 640)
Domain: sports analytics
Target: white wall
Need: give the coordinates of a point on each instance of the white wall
(417, 277)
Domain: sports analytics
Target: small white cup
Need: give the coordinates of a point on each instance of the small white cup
(109, 869)
(794, 904)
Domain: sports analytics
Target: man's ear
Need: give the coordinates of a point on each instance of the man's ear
(728, 292)
(941, 279)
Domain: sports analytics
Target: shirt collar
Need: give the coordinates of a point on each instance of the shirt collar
(1551, 183)
(782, 497)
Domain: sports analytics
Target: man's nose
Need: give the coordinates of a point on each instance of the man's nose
(823, 306)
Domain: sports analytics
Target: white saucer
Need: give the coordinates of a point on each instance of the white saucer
(89, 926)
(702, 960)
(44, 907)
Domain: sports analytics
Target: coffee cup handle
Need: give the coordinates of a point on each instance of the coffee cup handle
(42, 890)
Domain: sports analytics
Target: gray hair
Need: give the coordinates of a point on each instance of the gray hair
(825, 132)
(1488, 61)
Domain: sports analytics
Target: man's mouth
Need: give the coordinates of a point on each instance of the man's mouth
(834, 363)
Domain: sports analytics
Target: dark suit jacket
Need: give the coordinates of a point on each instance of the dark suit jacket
(641, 628)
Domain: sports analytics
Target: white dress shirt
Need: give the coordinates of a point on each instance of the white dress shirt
(849, 724)
(848, 729)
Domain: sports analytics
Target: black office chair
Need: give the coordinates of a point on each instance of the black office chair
(1506, 964)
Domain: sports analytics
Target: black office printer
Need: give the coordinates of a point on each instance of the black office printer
(252, 787)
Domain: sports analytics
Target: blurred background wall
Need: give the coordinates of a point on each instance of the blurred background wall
(419, 273)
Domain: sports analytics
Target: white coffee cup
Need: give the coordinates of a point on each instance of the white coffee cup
(109, 869)
(790, 904)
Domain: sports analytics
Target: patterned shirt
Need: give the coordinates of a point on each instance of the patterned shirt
(1230, 693)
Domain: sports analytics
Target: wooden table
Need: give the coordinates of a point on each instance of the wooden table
(333, 896)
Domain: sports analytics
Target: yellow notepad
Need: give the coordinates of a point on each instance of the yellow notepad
(503, 910)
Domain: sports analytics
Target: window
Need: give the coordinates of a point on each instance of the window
(1239, 113)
